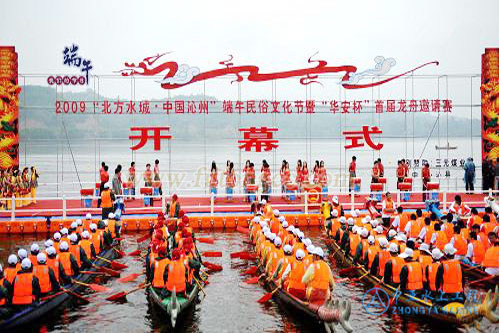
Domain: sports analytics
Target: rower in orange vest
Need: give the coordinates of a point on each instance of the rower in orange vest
(318, 279)
(426, 232)
(490, 214)
(459, 243)
(284, 264)
(96, 238)
(34, 250)
(300, 236)
(57, 241)
(275, 255)
(411, 274)
(295, 286)
(382, 257)
(25, 289)
(158, 275)
(491, 257)
(274, 222)
(46, 276)
(487, 226)
(173, 207)
(68, 261)
(431, 272)
(64, 235)
(371, 252)
(11, 271)
(449, 277)
(87, 222)
(5, 286)
(177, 274)
(393, 267)
(309, 256)
(475, 251)
(79, 254)
(361, 246)
(448, 227)
(54, 263)
(354, 241)
(439, 238)
(425, 258)
(87, 245)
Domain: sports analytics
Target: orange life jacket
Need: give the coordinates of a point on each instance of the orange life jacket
(159, 271)
(2, 301)
(106, 201)
(23, 289)
(416, 227)
(34, 260)
(403, 221)
(75, 250)
(64, 239)
(371, 254)
(354, 242)
(397, 264)
(296, 275)
(96, 240)
(429, 234)
(111, 226)
(321, 276)
(275, 256)
(308, 260)
(432, 275)
(449, 230)
(383, 257)
(64, 259)
(478, 252)
(452, 277)
(388, 207)
(176, 276)
(460, 245)
(488, 227)
(335, 226)
(441, 240)
(274, 226)
(86, 245)
(42, 273)
(415, 277)
(365, 246)
(491, 258)
(425, 260)
(10, 273)
(173, 208)
(485, 240)
(288, 260)
(54, 264)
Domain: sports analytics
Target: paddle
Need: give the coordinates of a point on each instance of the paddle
(106, 270)
(212, 254)
(482, 280)
(268, 296)
(93, 286)
(252, 280)
(134, 253)
(243, 230)
(80, 297)
(114, 264)
(248, 242)
(251, 270)
(118, 239)
(348, 270)
(120, 253)
(360, 278)
(207, 240)
(122, 294)
(52, 296)
(199, 285)
(238, 254)
(143, 238)
(93, 273)
(212, 267)
(129, 278)
(248, 256)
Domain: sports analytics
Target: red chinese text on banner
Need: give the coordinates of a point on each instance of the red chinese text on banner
(365, 133)
(258, 138)
(144, 136)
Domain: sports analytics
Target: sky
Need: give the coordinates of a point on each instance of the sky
(272, 34)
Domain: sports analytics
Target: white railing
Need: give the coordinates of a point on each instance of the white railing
(300, 203)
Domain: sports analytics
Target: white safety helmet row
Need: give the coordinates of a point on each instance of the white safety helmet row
(51, 251)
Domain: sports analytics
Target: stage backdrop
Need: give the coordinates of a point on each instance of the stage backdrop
(490, 114)
(9, 108)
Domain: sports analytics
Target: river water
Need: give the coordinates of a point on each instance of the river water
(230, 304)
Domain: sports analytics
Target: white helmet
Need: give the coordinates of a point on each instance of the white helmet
(383, 242)
(107, 185)
(335, 200)
(296, 231)
(357, 211)
(256, 219)
(85, 235)
(370, 240)
(48, 243)
(374, 223)
(401, 237)
(284, 224)
(301, 235)
(22, 254)
(281, 218)
(88, 216)
(290, 228)
(111, 216)
(64, 231)
(73, 238)
(265, 230)
(300, 254)
(408, 253)
(379, 229)
(318, 251)
(310, 249)
(276, 212)
(393, 248)
(353, 213)
(1, 268)
(392, 233)
(424, 247)
(307, 241)
(35, 248)
(272, 236)
(350, 221)
(288, 249)
(449, 249)
(93, 226)
(51, 251)
(57, 236)
(41, 258)
(365, 220)
(26, 263)
(368, 218)
(365, 233)
(12, 260)
(64, 246)
(79, 222)
(343, 219)
(277, 241)
(263, 202)
(105, 222)
(74, 225)
(335, 213)
(354, 229)
(436, 254)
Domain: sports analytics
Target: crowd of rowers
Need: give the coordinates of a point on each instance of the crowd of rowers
(418, 253)
(28, 277)
(289, 258)
(173, 261)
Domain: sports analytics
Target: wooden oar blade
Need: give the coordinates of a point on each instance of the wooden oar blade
(253, 280)
(143, 238)
(248, 256)
(129, 278)
(78, 296)
(98, 288)
(212, 254)
(206, 240)
(265, 298)
(109, 271)
(347, 270)
(135, 253)
(117, 265)
(92, 273)
(116, 297)
(212, 267)
(238, 254)
(120, 253)
(251, 271)
(242, 230)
